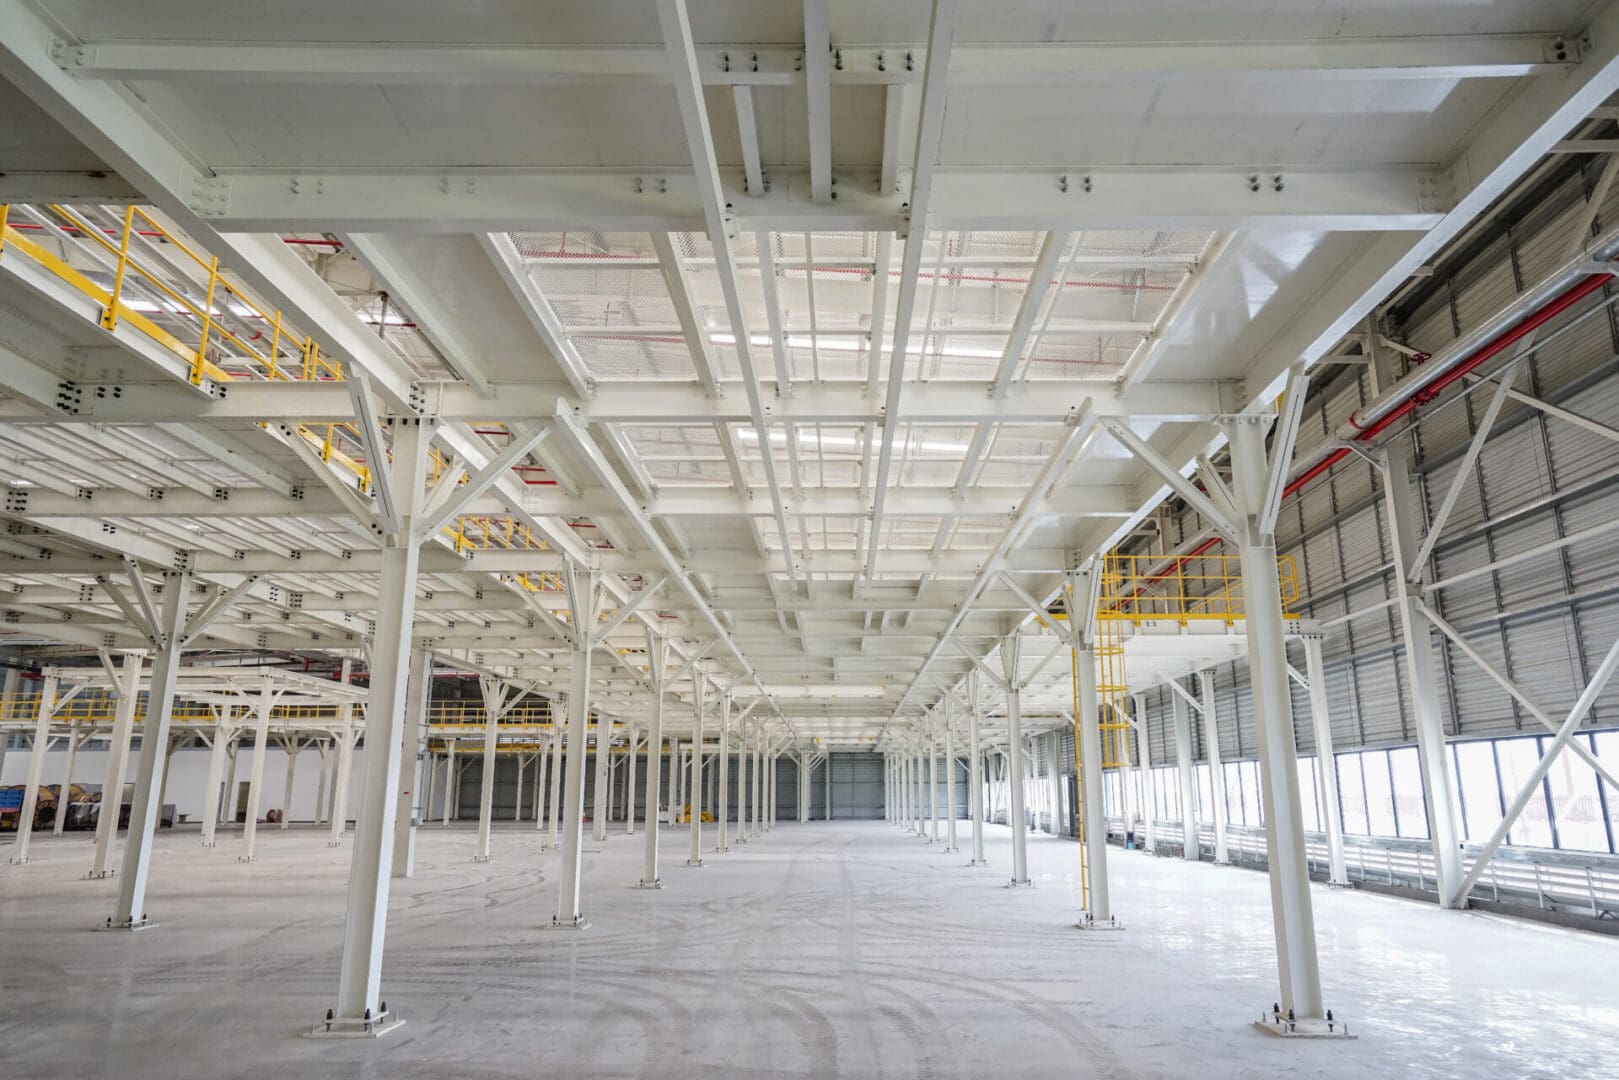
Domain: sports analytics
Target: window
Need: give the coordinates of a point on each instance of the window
(1379, 793)
(1517, 758)
(1205, 801)
(1576, 808)
(1410, 807)
(1308, 796)
(1352, 795)
(1480, 790)
(1233, 793)
(1608, 753)
(1251, 804)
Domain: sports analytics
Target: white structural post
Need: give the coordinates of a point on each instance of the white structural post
(1054, 781)
(214, 798)
(603, 784)
(1433, 756)
(1090, 765)
(826, 783)
(554, 780)
(292, 747)
(36, 766)
(803, 789)
(112, 788)
(760, 783)
(742, 755)
(168, 639)
(1326, 765)
(522, 767)
(976, 757)
(677, 779)
(770, 788)
(1252, 478)
(584, 587)
(449, 780)
(933, 783)
(342, 764)
(1148, 784)
(634, 738)
(410, 807)
(494, 704)
(228, 798)
(1010, 647)
(657, 652)
(64, 793)
(696, 789)
(722, 808)
(1187, 777)
(1211, 746)
(359, 983)
(950, 812)
(321, 816)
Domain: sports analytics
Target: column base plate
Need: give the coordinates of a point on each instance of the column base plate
(374, 1028)
(1303, 1029)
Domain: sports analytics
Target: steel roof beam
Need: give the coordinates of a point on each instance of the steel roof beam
(1418, 57)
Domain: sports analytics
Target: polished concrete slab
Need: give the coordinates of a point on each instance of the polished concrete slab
(828, 949)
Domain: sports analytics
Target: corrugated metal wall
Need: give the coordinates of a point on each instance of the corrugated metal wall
(1544, 622)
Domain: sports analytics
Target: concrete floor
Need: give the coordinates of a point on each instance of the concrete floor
(841, 949)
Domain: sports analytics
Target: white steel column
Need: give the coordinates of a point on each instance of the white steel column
(826, 784)
(1432, 754)
(1326, 765)
(722, 804)
(602, 787)
(1211, 746)
(292, 747)
(36, 767)
(1149, 784)
(1289, 873)
(771, 761)
(449, 779)
(255, 783)
(65, 792)
(976, 756)
(697, 687)
(129, 912)
(343, 764)
(677, 779)
(633, 739)
(1187, 775)
(583, 595)
(949, 779)
(494, 701)
(214, 797)
(758, 781)
(112, 788)
(410, 807)
(554, 780)
(743, 756)
(933, 785)
(517, 806)
(1090, 787)
(359, 1004)
(1010, 645)
(657, 652)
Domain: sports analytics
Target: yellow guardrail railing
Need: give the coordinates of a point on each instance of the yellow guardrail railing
(208, 330)
(1197, 588)
(100, 708)
(203, 317)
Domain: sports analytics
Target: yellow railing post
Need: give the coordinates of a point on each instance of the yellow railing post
(109, 314)
(5, 213)
(207, 323)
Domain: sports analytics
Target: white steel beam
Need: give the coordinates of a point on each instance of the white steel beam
(1207, 196)
(1410, 57)
(930, 129)
(818, 96)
